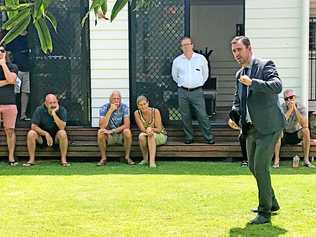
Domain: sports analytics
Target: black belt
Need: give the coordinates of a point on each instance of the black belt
(191, 89)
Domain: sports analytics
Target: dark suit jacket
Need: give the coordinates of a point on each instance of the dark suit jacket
(263, 99)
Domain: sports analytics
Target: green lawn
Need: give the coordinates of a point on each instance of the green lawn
(176, 199)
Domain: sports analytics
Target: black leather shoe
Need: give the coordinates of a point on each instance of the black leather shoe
(273, 209)
(188, 141)
(210, 141)
(260, 220)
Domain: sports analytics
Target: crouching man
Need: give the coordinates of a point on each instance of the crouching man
(48, 128)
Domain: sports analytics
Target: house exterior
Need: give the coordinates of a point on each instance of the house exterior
(134, 53)
(278, 30)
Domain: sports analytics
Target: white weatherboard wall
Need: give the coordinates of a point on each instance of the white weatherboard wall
(276, 31)
(109, 60)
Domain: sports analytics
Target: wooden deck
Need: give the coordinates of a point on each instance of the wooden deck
(83, 143)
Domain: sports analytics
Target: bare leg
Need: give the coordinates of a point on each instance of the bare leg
(152, 150)
(32, 136)
(102, 138)
(24, 103)
(127, 136)
(143, 146)
(11, 140)
(306, 144)
(63, 145)
(277, 153)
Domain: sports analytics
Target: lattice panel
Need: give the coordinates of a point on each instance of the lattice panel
(66, 71)
(156, 33)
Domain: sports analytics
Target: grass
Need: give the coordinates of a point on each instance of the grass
(176, 199)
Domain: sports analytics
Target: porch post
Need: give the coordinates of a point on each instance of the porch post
(305, 52)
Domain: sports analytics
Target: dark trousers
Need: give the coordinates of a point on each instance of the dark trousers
(194, 99)
(260, 150)
(242, 142)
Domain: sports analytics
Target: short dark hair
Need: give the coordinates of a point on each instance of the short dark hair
(184, 38)
(244, 40)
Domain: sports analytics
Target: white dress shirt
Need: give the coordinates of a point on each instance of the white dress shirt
(190, 73)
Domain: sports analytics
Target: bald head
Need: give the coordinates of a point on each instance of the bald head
(51, 101)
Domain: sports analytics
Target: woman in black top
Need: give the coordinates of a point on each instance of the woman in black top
(8, 110)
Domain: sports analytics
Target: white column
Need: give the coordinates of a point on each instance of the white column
(305, 52)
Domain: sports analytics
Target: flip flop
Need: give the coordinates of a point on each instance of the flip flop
(101, 163)
(143, 162)
(13, 163)
(28, 164)
(309, 165)
(130, 162)
(65, 164)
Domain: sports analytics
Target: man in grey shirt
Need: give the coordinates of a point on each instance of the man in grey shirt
(190, 72)
(296, 128)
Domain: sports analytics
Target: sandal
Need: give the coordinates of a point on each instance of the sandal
(28, 164)
(153, 165)
(13, 163)
(143, 162)
(309, 165)
(130, 162)
(101, 163)
(65, 164)
(275, 166)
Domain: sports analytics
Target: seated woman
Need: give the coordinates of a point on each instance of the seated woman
(152, 132)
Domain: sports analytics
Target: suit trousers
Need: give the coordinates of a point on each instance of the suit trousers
(260, 150)
(196, 100)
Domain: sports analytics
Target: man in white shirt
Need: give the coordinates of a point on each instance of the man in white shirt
(190, 72)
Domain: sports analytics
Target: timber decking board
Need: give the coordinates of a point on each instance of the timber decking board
(83, 143)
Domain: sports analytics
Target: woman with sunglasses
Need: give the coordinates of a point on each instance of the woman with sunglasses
(8, 110)
(152, 132)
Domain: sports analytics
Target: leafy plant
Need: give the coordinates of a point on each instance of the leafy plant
(22, 13)
(100, 8)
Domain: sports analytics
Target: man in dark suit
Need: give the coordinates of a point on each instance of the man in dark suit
(257, 88)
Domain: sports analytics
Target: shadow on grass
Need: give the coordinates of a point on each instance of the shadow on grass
(52, 167)
(257, 230)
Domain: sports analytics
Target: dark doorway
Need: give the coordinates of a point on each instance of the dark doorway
(213, 24)
(65, 72)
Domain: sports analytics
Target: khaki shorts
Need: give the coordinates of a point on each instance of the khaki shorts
(25, 78)
(115, 139)
(8, 115)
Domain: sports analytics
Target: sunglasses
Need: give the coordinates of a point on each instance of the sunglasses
(2, 51)
(289, 98)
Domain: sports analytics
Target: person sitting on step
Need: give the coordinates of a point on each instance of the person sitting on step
(296, 128)
(152, 132)
(48, 128)
(114, 127)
